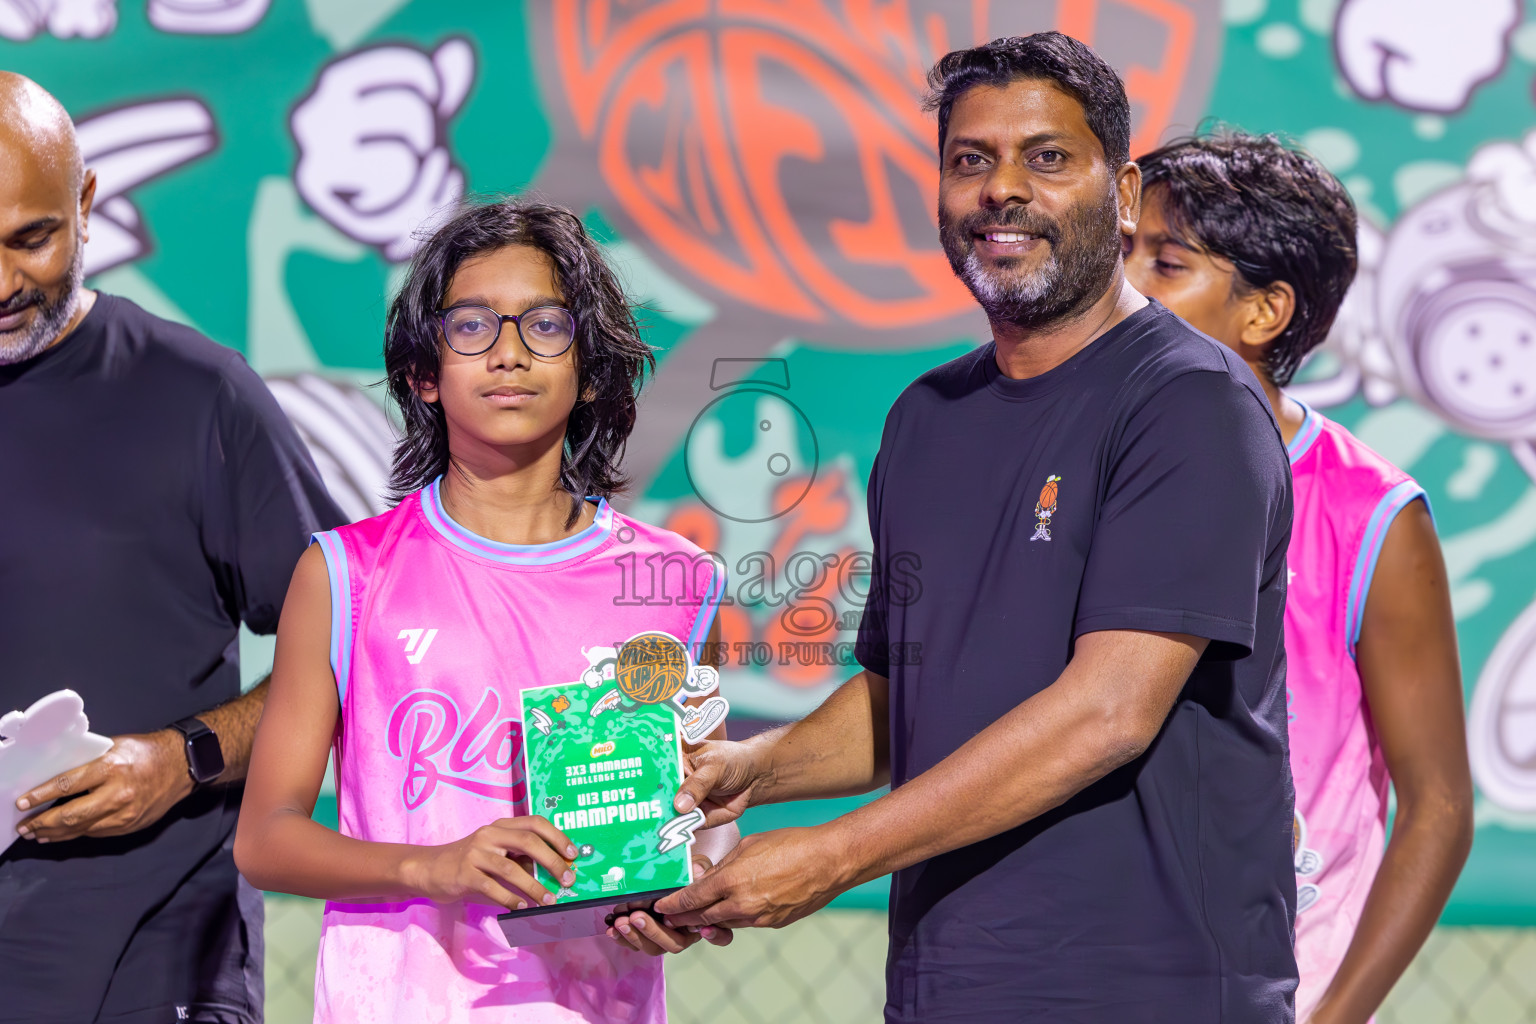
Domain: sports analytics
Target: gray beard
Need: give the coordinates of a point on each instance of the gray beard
(51, 318)
(1081, 264)
(1003, 294)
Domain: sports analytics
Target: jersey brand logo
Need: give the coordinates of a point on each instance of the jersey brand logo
(1045, 508)
(416, 643)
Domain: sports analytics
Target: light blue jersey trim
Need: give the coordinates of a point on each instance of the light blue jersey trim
(1311, 429)
(336, 568)
(1391, 503)
(514, 554)
(708, 609)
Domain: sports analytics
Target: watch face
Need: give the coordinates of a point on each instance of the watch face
(204, 757)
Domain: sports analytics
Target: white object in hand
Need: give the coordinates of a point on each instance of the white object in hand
(50, 737)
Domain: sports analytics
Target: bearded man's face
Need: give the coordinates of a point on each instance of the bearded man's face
(1028, 210)
(43, 206)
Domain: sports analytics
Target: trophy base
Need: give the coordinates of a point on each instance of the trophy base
(578, 919)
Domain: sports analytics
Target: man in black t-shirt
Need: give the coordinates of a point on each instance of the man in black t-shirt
(1073, 672)
(155, 497)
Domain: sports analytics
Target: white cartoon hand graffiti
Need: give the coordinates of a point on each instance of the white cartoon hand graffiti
(1424, 55)
(373, 147)
(127, 147)
(206, 17)
(348, 435)
(91, 19)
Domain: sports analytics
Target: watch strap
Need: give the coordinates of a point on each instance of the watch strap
(191, 727)
(205, 761)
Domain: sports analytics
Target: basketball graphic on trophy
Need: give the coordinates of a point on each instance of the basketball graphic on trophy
(652, 668)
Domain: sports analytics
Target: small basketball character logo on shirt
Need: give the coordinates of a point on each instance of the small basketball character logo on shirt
(652, 668)
(1045, 508)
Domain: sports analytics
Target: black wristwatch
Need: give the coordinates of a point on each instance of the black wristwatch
(205, 761)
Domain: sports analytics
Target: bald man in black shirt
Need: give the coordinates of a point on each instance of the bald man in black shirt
(156, 497)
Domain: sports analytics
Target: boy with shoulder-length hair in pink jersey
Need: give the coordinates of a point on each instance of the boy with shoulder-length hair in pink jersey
(515, 359)
(1253, 242)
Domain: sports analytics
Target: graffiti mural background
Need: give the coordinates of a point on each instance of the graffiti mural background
(763, 174)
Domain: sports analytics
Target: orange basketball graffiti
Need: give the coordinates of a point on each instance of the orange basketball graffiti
(711, 123)
(1155, 90)
(799, 612)
(773, 155)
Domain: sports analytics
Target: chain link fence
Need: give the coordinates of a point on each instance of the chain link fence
(829, 969)
(1472, 975)
(293, 939)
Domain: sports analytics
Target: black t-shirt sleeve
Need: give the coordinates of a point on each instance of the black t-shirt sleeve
(1195, 516)
(872, 648)
(263, 498)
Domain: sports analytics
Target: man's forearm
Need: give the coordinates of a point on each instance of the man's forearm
(840, 749)
(1423, 859)
(1101, 714)
(235, 725)
(1010, 772)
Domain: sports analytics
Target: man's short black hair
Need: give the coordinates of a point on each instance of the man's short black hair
(1045, 56)
(1272, 211)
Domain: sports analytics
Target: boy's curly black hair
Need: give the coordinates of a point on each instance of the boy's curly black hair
(1272, 211)
(611, 358)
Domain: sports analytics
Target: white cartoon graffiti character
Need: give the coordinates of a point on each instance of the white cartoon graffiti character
(348, 435)
(206, 17)
(1424, 55)
(373, 146)
(127, 147)
(21, 20)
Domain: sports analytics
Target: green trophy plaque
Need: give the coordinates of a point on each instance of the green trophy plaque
(604, 759)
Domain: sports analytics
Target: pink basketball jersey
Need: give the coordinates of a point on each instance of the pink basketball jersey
(1346, 498)
(434, 631)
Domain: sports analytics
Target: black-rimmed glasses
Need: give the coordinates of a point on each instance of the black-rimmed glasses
(547, 331)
